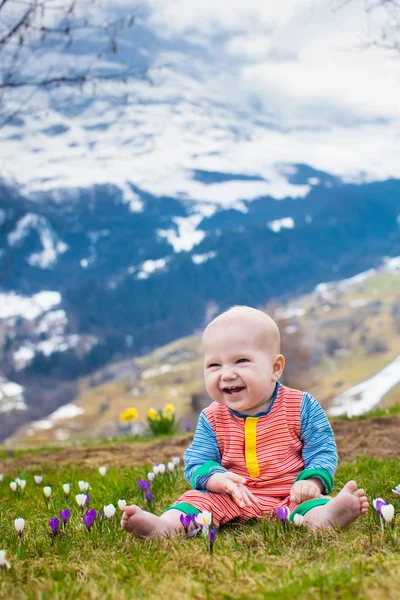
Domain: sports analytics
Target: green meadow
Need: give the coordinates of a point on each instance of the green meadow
(261, 559)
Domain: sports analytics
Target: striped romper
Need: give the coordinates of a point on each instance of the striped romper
(291, 441)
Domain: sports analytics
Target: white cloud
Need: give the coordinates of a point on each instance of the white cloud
(241, 88)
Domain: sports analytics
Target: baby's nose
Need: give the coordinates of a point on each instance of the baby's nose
(228, 373)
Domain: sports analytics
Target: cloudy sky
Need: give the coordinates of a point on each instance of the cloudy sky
(239, 87)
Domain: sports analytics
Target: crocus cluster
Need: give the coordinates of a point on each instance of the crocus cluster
(283, 514)
(143, 485)
(202, 522)
(89, 518)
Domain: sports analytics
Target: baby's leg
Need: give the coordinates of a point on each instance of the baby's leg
(143, 524)
(342, 510)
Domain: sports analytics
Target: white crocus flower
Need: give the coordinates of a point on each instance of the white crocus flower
(121, 504)
(171, 466)
(81, 500)
(17, 480)
(387, 511)
(155, 470)
(161, 469)
(38, 479)
(298, 520)
(3, 561)
(204, 519)
(102, 471)
(13, 486)
(66, 489)
(176, 460)
(83, 486)
(151, 476)
(22, 484)
(47, 491)
(109, 511)
(19, 525)
(1, 477)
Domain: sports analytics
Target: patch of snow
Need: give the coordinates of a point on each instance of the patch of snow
(12, 305)
(23, 356)
(156, 371)
(131, 198)
(323, 288)
(278, 224)
(313, 180)
(187, 236)
(240, 207)
(51, 245)
(364, 396)
(360, 302)
(200, 258)
(308, 219)
(392, 264)
(290, 313)
(150, 266)
(207, 209)
(43, 424)
(68, 411)
(11, 396)
(54, 321)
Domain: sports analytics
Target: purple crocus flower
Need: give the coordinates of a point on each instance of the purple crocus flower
(9, 452)
(378, 503)
(146, 486)
(186, 520)
(212, 536)
(65, 515)
(283, 513)
(87, 501)
(149, 497)
(92, 513)
(188, 427)
(88, 520)
(140, 483)
(54, 525)
(396, 489)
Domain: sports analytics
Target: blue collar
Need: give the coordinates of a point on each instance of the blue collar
(260, 414)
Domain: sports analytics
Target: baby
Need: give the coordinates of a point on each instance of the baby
(260, 445)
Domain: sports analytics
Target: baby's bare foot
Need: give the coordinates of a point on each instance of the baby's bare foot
(143, 524)
(342, 510)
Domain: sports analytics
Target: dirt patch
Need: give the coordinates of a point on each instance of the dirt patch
(372, 437)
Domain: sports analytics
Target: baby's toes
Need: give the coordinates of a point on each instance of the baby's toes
(359, 493)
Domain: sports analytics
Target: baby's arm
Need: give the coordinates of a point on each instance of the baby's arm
(319, 453)
(203, 458)
(203, 469)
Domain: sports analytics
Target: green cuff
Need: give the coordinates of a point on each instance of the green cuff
(203, 470)
(184, 507)
(321, 474)
(303, 508)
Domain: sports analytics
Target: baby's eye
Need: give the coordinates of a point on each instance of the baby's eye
(213, 365)
(242, 360)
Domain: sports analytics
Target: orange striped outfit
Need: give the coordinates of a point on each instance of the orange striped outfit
(265, 449)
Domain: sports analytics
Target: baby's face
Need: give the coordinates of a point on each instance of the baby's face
(240, 369)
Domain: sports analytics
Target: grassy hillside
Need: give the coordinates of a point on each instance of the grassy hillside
(260, 560)
(355, 318)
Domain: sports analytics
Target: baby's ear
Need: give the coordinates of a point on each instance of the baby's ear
(279, 365)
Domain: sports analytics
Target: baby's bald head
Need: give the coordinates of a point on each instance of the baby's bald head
(251, 323)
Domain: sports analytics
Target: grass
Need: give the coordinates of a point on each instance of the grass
(257, 560)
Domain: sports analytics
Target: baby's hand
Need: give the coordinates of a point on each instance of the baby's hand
(306, 490)
(231, 483)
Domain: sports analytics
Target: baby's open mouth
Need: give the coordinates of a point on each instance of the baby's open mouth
(233, 390)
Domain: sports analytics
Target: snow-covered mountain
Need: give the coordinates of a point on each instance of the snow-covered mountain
(130, 213)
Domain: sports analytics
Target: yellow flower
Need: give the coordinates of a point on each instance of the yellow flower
(151, 413)
(130, 414)
(169, 408)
